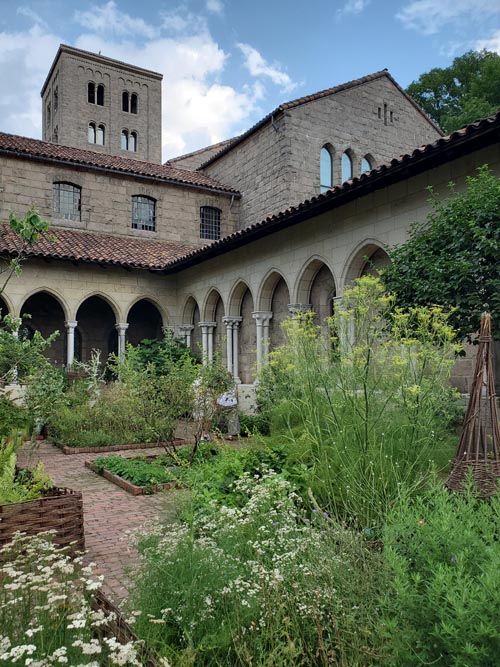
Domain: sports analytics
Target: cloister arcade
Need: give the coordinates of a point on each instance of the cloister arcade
(240, 321)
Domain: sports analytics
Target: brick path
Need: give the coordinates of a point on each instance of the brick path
(110, 514)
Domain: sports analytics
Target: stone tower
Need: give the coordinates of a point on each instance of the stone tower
(93, 102)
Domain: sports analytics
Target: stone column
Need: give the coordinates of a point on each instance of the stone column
(236, 329)
(262, 319)
(185, 332)
(121, 327)
(232, 328)
(207, 340)
(70, 342)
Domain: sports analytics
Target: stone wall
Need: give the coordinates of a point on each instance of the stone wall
(68, 122)
(106, 201)
(278, 165)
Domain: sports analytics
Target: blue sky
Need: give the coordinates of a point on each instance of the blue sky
(226, 63)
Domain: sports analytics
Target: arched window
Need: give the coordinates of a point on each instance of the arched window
(325, 170)
(100, 95)
(56, 98)
(124, 101)
(143, 213)
(100, 135)
(124, 143)
(67, 200)
(91, 92)
(133, 103)
(209, 223)
(92, 133)
(366, 165)
(346, 167)
(132, 144)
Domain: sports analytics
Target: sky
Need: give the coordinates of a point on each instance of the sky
(227, 63)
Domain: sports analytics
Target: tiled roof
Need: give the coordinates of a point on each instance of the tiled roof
(471, 137)
(316, 96)
(78, 246)
(34, 148)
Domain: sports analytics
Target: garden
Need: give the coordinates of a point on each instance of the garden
(325, 534)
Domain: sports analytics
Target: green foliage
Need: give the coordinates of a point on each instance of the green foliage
(443, 601)
(453, 258)
(12, 416)
(16, 486)
(44, 394)
(254, 424)
(366, 415)
(465, 91)
(137, 469)
(259, 584)
(160, 353)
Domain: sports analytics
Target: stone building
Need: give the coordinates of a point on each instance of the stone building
(224, 243)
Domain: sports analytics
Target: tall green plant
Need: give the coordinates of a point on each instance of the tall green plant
(367, 408)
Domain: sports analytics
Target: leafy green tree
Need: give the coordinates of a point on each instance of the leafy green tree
(452, 259)
(463, 92)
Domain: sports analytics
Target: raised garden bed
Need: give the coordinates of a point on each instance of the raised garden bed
(118, 448)
(58, 509)
(130, 487)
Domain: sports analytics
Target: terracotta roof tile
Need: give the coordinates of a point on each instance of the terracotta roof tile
(422, 158)
(22, 146)
(97, 248)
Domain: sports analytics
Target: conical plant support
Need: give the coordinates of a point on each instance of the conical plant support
(478, 449)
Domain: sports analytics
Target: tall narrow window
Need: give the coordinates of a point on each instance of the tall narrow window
(67, 198)
(100, 95)
(56, 98)
(55, 135)
(143, 213)
(91, 92)
(124, 140)
(346, 167)
(366, 165)
(100, 135)
(325, 170)
(124, 101)
(209, 223)
(49, 115)
(92, 133)
(132, 142)
(133, 103)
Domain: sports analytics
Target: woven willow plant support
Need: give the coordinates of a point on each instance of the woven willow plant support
(478, 449)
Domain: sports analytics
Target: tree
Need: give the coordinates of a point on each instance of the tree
(453, 258)
(460, 94)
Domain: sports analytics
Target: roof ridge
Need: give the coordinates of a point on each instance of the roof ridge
(23, 146)
(201, 150)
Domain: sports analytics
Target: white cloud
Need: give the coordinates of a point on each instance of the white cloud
(258, 67)
(109, 19)
(32, 15)
(197, 108)
(430, 16)
(353, 7)
(215, 6)
(490, 44)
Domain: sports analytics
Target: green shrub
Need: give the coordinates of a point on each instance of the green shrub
(443, 602)
(12, 417)
(18, 485)
(252, 424)
(260, 584)
(137, 469)
(366, 409)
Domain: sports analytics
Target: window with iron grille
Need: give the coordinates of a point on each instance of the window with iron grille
(67, 201)
(143, 213)
(210, 223)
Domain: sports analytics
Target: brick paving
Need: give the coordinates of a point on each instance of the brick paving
(110, 513)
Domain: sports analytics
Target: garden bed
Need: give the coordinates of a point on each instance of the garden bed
(178, 442)
(130, 487)
(58, 509)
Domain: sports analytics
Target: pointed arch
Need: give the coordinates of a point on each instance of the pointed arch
(105, 297)
(145, 320)
(267, 287)
(210, 304)
(236, 296)
(190, 305)
(49, 290)
(151, 299)
(45, 313)
(96, 326)
(307, 274)
(369, 256)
